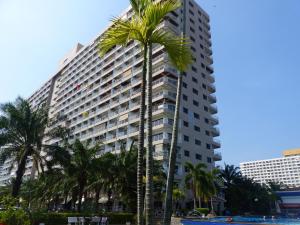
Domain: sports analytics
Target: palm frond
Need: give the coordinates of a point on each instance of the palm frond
(156, 11)
(120, 33)
(177, 48)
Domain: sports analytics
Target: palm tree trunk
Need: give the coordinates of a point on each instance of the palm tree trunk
(172, 158)
(211, 204)
(199, 200)
(172, 154)
(79, 199)
(19, 175)
(195, 203)
(97, 196)
(141, 139)
(149, 154)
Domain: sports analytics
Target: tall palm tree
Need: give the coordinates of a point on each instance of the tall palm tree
(81, 165)
(177, 196)
(173, 149)
(214, 185)
(196, 180)
(21, 135)
(144, 28)
(101, 176)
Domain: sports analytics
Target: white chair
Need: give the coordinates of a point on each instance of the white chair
(72, 220)
(104, 221)
(96, 220)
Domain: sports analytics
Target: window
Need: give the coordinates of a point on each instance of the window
(186, 153)
(195, 91)
(208, 159)
(196, 128)
(186, 124)
(197, 142)
(206, 120)
(192, 39)
(158, 137)
(193, 49)
(205, 108)
(207, 133)
(185, 98)
(186, 138)
(185, 110)
(184, 84)
(194, 69)
(204, 86)
(198, 156)
(196, 116)
(208, 146)
(195, 103)
(194, 80)
(205, 97)
(186, 169)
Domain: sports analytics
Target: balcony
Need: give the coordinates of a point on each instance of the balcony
(217, 156)
(212, 98)
(214, 120)
(213, 109)
(211, 88)
(216, 143)
(215, 132)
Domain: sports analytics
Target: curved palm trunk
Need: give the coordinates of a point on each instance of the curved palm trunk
(149, 154)
(172, 154)
(199, 201)
(19, 175)
(97, 197)
(80, 198)
(172, 158)
(141, 138)
(211, 204)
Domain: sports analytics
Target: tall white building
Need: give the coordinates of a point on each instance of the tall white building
(284, 170)
(99, 98)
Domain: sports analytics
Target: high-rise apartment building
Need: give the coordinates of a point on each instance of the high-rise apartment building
(98, 99)
(284, 170)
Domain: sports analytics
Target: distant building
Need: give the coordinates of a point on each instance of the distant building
(284, 170)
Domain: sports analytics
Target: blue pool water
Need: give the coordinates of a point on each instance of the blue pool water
(250, 220)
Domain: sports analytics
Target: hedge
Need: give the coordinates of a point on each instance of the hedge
(203, 210)
(62, 218)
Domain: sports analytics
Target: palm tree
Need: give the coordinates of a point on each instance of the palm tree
(214, 185)
(229, 174)
(173, 149)
(196, 180)
(144, 28)
(21, 135)
(177, 196)
(81, 164)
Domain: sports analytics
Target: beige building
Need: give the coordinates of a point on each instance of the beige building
(98, 98)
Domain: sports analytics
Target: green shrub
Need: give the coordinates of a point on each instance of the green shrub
(203, 210)
(14, 217)
(61, 218)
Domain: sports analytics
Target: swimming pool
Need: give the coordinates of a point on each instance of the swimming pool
(242, 219)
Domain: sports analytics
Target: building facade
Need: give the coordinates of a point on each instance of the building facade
(98, 99)
(284, 170)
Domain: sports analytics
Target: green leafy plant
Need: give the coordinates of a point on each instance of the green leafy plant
(203, 210)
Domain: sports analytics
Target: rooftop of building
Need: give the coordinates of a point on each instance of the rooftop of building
(286, 154)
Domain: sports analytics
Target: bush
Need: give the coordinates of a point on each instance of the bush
(61, 218)
(14, 217)
(203, 210)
